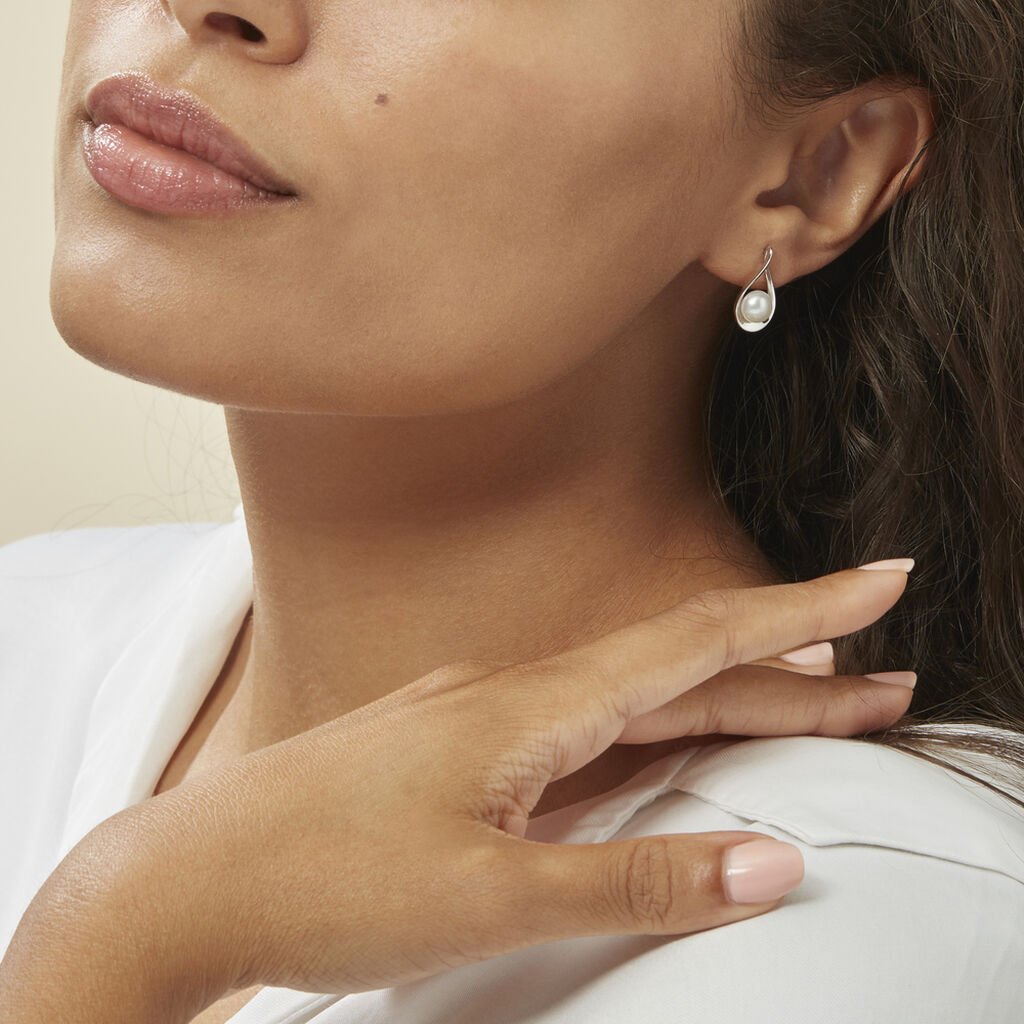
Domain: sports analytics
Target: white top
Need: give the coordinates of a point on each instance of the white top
(911, 911)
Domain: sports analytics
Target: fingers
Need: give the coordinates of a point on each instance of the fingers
(580, 700)
(757, 700)
(670, 884)
(815, 657)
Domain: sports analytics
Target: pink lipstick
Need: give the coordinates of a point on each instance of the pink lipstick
(163, 150)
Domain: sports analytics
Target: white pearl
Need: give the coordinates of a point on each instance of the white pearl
(756, 307)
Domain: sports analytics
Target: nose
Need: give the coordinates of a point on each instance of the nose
(274, 31)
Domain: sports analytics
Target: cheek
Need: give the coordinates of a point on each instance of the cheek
(526, 199)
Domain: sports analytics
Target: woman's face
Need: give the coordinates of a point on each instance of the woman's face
(489, 191)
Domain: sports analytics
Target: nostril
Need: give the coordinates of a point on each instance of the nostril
(231, 23)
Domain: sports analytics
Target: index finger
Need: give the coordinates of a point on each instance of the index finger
(585, 696)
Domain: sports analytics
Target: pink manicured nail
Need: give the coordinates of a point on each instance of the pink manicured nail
(897, 678)
(906, 564)
(761, 871)
(814, 654)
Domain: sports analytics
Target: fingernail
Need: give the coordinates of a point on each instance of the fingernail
(761, 871)
(814, 654)
(906, 564)
(897, 678)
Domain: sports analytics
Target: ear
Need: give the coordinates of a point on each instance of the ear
(820, 184)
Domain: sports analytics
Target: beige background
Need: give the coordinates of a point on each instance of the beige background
(79, 445)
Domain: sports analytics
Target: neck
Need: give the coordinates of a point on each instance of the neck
(385, 547)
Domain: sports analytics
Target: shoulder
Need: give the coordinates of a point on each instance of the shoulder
(66, 584)
(70, 603)
(829, 791)
(909, 911)
(74, 605)
(69, 561)
(912, 899)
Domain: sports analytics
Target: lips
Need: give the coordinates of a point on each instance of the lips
(177, 119)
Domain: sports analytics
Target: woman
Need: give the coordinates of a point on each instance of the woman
(481, 287)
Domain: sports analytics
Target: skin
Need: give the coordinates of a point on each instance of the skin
(462, 374)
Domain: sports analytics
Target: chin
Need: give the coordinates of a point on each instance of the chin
(142, 329)
(94, 320)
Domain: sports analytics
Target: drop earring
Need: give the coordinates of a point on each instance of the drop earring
(754, 309)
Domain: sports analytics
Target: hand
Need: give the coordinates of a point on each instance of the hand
(387, 845)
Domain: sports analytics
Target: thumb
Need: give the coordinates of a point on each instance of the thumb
(669, 884)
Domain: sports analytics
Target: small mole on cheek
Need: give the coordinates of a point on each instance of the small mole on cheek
(382, 98)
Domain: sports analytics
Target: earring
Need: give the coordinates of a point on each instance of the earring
(754, 309)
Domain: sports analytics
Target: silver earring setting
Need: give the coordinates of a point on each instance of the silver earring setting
(754, 309)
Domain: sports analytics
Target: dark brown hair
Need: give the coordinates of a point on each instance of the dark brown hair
(881, 412)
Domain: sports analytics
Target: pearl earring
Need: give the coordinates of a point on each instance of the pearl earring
(755, 309)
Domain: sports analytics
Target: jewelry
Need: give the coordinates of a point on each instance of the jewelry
(754, 309)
